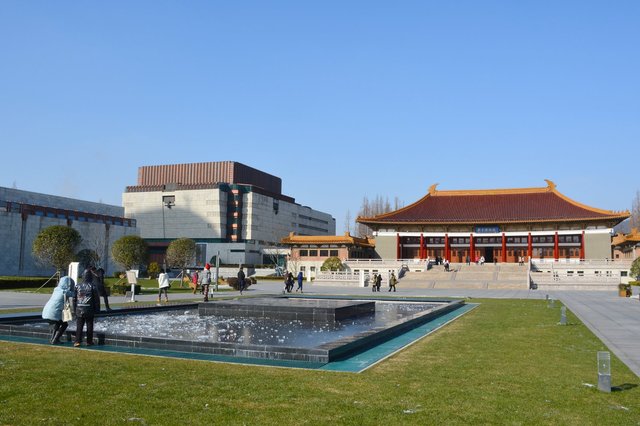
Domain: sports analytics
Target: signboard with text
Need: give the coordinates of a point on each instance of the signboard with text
(491, 229)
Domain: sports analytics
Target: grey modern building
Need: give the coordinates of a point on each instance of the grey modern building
(226, 207)
(24, 214)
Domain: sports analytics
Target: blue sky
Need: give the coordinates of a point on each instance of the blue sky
(340, 99)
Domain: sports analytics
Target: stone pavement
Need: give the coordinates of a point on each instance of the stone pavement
(615, 320)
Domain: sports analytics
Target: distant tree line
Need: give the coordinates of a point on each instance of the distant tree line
(371, 207)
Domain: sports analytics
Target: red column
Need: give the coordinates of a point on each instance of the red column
(472, 249)
(446, 247)
(398, 251)
(556, 250)
(582, 247)
(504, 248)
(529, 246)
(422, 250)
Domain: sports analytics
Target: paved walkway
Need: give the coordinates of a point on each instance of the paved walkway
(615, 320)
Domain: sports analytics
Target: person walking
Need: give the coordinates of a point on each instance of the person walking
(378, 282)
(289, 282)
(241, 280)
(392, 281)
(52, 311)
(194, 281)
(300, 279)
(374, 282)
(86, 303)
(163, 286)
(102, 291)
(205, 280)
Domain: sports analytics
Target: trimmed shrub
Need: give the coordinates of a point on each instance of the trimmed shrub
(9, 283)
(153, 270)
(233, 282)
(124, 288)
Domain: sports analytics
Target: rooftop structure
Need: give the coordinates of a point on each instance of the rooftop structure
(522, 205)
(499, 225)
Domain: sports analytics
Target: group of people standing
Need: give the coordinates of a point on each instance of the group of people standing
(84, 299)
(289, 282)
(203, 279)
(376, 282)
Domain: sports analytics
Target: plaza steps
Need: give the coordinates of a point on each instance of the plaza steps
(461, 275)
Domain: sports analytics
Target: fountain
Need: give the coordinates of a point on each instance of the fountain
(305, 329)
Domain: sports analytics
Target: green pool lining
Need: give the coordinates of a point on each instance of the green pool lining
(354, 363)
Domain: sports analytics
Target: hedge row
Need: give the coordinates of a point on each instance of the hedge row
(233, 282)
(9, 283)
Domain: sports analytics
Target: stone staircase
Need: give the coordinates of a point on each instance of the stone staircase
(461, 275)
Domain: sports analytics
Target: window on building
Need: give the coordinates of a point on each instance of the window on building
(324, 253)
(333, 253)
(201, 254)
(313, 253)
(304, 253)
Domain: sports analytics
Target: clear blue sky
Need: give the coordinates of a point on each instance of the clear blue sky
(340, 99)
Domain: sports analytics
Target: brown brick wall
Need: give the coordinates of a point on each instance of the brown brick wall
(207, 173)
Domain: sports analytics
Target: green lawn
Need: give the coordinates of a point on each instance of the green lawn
(505, 362)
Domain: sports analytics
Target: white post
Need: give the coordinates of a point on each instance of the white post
(215, 275)
(73, 271)
(133, 280)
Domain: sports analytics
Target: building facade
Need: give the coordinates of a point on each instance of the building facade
(226, 207)
(626, 246)
(501, 225)
(24, 214)
(308, 253)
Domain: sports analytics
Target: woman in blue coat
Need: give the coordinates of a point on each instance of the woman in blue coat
(52, 311)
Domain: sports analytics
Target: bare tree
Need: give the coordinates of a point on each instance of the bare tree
(347, 222)
(635, 211)
(276, 253)
(369, 208)
(96, 242)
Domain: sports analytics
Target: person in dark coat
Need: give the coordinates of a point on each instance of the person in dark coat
(52, 311)
(289, 282)
(300, 279)
(378, 282)
(102, 291)
(241, 278)
(86, 303)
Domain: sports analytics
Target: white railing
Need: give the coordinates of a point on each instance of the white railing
(387, 261)
(587, 262)
(337, 276)
(574, 279)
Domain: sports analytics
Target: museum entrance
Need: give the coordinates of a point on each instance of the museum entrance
(488, 254)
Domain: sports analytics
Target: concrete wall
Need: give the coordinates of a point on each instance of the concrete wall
(386, 247)
(16, 241)
(262, 223)
(597, 246)
(197, 214)
(34, 198)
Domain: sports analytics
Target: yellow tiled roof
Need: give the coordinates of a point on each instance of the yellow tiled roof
(346, 239)
(631, 238)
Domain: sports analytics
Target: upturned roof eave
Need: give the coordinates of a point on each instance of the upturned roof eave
(365, 221)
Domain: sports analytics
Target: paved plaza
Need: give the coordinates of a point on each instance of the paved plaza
(615, 320)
